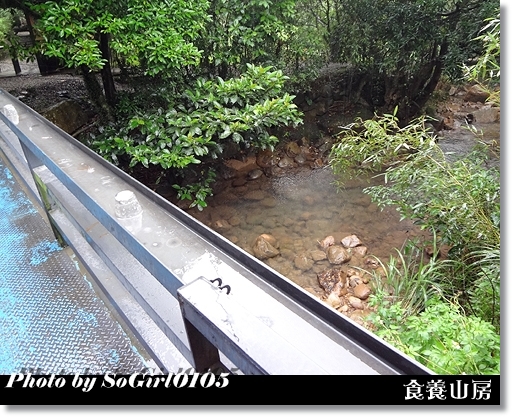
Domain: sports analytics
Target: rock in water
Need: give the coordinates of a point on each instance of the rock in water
(318, 255)
(337, 255)
(329, 279)
(360, 251)
(254, 174)
(326, 242)
(270, 239)
(362, 291)
(262, 249)
(303, 262)
(350, 241)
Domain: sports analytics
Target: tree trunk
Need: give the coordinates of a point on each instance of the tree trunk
(16, 65)
(411, 95)
(96, 94)
(436, 73)
(106, 72)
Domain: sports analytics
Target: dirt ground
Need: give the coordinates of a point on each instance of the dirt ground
(38, 91)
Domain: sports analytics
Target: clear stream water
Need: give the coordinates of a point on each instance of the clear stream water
(299, 210)
(304, 206)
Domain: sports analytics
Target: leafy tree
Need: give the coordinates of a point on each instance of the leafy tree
(402, 47)
(182, 117)
(305, 51)
(5, 23)
(155, 35)
(244, 31)
(241, 109)
(322, 17)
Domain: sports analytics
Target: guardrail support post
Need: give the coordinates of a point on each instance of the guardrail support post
(33, 163)
(204, 353)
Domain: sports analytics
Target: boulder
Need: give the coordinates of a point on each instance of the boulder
(235, 221)
(254, 174)
(266, 159)
(68, 115)
(300, 159)
(292, 149)
(269, 202)
(476, 94)
(256, 195)
(329, 278)
(270, 239)
(221, 224)
(262, 249)
(362, 291)
(285, 162)
(356, 303)
(355, 280)
(303, 262)
(448, 123)
(372, 262)
(487, 115)
(351, 241)
(248, 164)
(360, 251)
(337, 255)
(318, 255)
(326, 242)
(333, 300)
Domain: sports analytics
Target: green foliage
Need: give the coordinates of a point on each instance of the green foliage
(476, 278)
(155, 35)
(192, 130)
(409, 279)
(487, 67)
(197, 192)
(159, 35)
(370, 145)
(459, 200)
(441, 337)
(244, 31)
(5, 24)
(240, 109)
(385, 36)
(397, 37)
(486, 71)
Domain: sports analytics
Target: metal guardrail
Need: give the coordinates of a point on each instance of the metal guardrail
(147, 256)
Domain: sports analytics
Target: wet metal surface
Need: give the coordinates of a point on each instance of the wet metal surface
(176, 249)
(51, 319)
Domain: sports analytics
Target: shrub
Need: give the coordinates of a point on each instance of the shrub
(442, 337)
(197, 123)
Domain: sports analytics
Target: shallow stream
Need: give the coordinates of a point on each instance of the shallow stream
(299, 210)
(303, 206)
